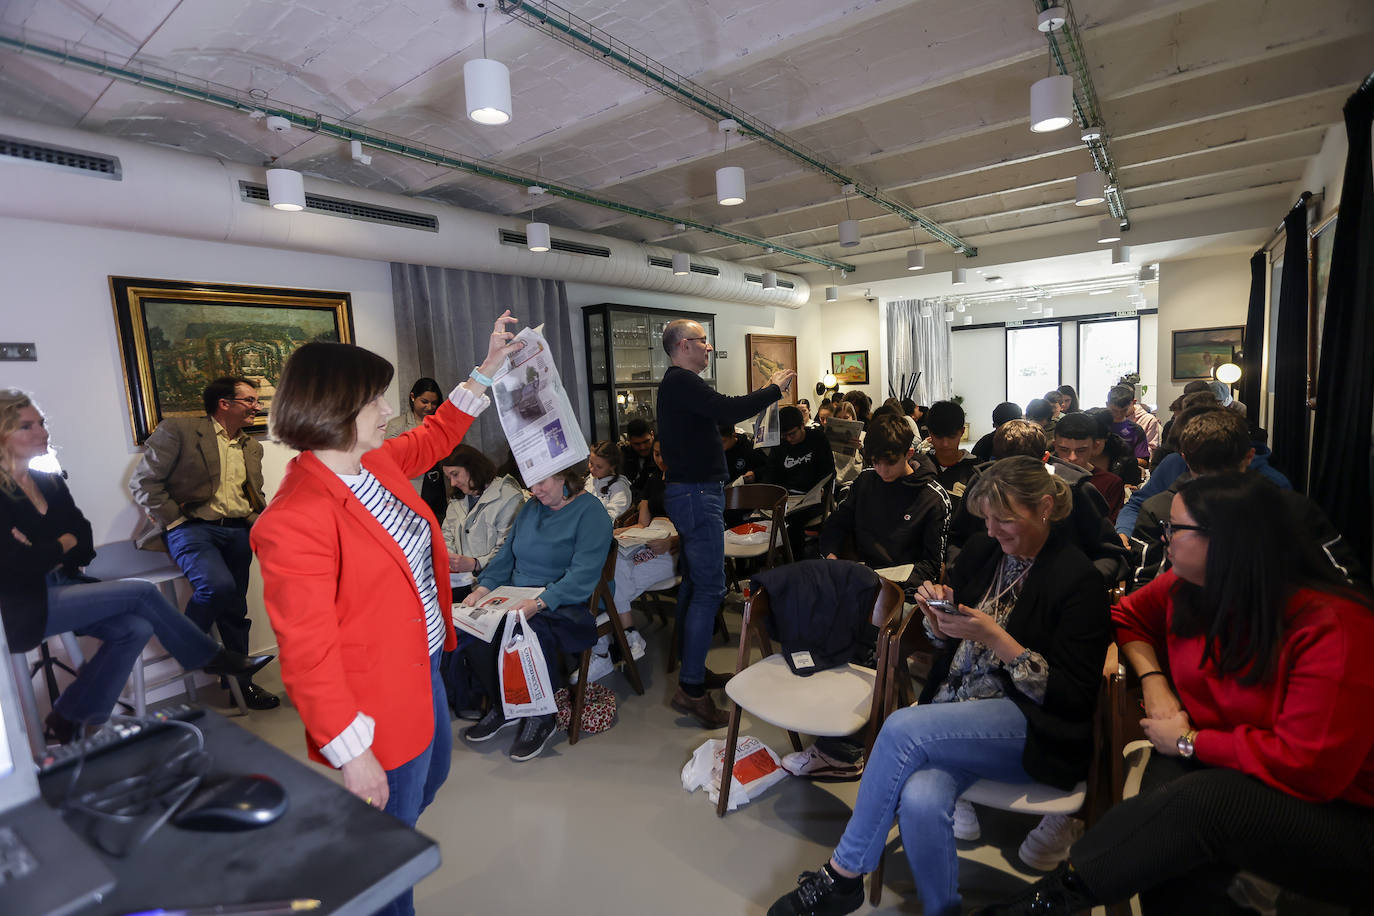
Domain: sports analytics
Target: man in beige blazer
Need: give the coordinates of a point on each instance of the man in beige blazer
(200, 486)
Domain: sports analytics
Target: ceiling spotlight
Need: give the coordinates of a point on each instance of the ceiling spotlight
(949, 315)
(1052, 19)
(679, 227)
(682, 264)
(832, 294)
(770, 279)
(961, 306)
(960, 276)
(1051, 103)
(916, 259)
(849, 233)
(355, 152)
(486, 83)
(537, 236)
(1088, 189)
(1148, 272)
(535, 190)
(1108, 230)
(1121, 254)
(285, 189)
(277, 124)
(729, 178)
(1092, 133)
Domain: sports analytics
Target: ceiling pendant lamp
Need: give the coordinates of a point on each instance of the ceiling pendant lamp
(770, 279)
(960, 276)
(537, 236)
(915, 257)
(1089, 189)
(285, 189)
(730, 178)
(849, 227)
(832, 294)
(1108, 230)
(486, 83)
(682, 264)
(1121, 254)
(1051, 103)
(1051, 19)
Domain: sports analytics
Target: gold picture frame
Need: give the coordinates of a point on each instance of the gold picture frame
(767, 354)
(175, 337)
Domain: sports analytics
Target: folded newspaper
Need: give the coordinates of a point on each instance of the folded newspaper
(811, 497)
(484, 618)
(843, 435)
(535, 412)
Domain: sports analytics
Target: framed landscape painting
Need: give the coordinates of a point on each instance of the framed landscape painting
(1198, 352)
(175, 337)
(767, 354)
(850, 367)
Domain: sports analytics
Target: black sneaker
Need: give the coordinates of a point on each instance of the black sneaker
(535, 732)
(819, 894)
(487, 727)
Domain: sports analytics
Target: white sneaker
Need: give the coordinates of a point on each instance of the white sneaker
(1048, 844)
(813, 763)
(966, 825)
(601, 662)
(637, 644)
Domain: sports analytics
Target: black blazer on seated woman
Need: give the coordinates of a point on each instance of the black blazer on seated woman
(1062, 614)
(24, 567)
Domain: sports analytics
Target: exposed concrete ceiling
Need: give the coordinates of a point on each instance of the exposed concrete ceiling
(1213, 108)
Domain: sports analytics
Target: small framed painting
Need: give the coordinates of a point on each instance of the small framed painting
(850, 367)
(767, 354)
(1198, 352)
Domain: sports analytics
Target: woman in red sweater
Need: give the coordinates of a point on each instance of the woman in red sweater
(1255, 665)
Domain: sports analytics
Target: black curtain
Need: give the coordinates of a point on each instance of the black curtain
(1252, 364)
(1288, 438)
(1342, 456)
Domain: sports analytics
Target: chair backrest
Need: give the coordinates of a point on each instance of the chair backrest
(770, 498)
(602, 592)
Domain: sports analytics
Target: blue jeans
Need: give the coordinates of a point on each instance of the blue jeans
(122, 614)
(697, 510)
(411, 786)
(923, 760)
(215, 560)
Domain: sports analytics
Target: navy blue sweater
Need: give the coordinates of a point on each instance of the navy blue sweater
(689, 416)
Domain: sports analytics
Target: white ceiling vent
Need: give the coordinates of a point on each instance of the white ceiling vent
(706, 269)
(70, 160)
(511, 237)
(348, 209)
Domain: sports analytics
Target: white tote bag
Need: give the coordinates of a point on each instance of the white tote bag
(525, 686)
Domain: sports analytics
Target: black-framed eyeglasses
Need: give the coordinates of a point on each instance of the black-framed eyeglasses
(253, 402)
(1168, 529)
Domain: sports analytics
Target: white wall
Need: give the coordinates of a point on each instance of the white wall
(1198, 293)
(58, 296)
(852, 324)
(978, 361)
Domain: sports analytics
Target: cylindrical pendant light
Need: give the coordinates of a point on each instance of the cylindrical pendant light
(832, 294)
(1108, 230)
(960, 276)
(1121, 254)
(730, 186)
(949, 315)
(1051, 103)
(1089, 189)
(537, 236)
(285, 189)
(682, 264)
(486, 87)
(916, 259)
(770, 279)
(849, 233)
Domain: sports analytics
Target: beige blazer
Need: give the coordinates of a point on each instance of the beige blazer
(180, 472)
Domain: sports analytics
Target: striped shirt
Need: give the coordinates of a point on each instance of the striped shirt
(411, 533)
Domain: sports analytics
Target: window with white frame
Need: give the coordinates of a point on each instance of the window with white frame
(1032, 362)
(1107, 350)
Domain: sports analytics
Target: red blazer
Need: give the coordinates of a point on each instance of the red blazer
(349, 621)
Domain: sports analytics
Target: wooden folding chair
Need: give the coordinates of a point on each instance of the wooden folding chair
(601, 597)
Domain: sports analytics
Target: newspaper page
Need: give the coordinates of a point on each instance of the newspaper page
(843, 435)
(535, 412)
(484, 618)
(767, 432)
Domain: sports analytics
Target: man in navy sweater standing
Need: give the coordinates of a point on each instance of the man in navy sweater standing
(689, 413)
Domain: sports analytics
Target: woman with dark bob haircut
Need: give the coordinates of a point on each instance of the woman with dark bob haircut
(1021, 634)
(349, 556)
(1254, 659)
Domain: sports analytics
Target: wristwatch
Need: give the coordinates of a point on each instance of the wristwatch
(1185, 743)
(542, 605)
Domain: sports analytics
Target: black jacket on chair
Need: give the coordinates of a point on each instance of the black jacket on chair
(819, 607)
(1062, 614)
(24, 567)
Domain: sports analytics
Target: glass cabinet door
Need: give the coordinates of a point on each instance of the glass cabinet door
(596, 347)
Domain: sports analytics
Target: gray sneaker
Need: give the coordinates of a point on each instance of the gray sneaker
(535, 732)
(487, 727)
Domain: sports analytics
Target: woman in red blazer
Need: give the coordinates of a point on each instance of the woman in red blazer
(349, 554)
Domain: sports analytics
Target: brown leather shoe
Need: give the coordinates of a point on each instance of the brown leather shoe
(701, 708)
(716, 681)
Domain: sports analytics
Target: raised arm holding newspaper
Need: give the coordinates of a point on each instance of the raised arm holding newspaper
(689, 411)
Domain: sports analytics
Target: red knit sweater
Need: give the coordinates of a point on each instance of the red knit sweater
(1307, 732)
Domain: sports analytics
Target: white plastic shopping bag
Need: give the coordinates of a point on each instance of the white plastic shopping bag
(756, 768)
(525, 686)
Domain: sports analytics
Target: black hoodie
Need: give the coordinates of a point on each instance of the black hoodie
(892, 524)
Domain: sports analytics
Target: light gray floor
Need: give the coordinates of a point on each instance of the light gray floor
(605, 826)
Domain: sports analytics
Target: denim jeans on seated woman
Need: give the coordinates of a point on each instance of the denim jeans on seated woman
(123, 614)
(924, 759)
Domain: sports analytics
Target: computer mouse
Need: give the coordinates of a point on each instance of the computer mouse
(224, 803)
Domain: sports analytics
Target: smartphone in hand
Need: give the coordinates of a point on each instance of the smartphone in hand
(945, 607)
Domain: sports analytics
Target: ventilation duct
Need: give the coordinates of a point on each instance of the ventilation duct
(168, 192)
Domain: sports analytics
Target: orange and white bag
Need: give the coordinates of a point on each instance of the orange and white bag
(756, 768)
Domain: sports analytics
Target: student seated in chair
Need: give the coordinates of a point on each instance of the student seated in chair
(1021, 632)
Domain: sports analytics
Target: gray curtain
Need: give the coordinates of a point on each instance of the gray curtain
(444, 318)
(916, 344)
